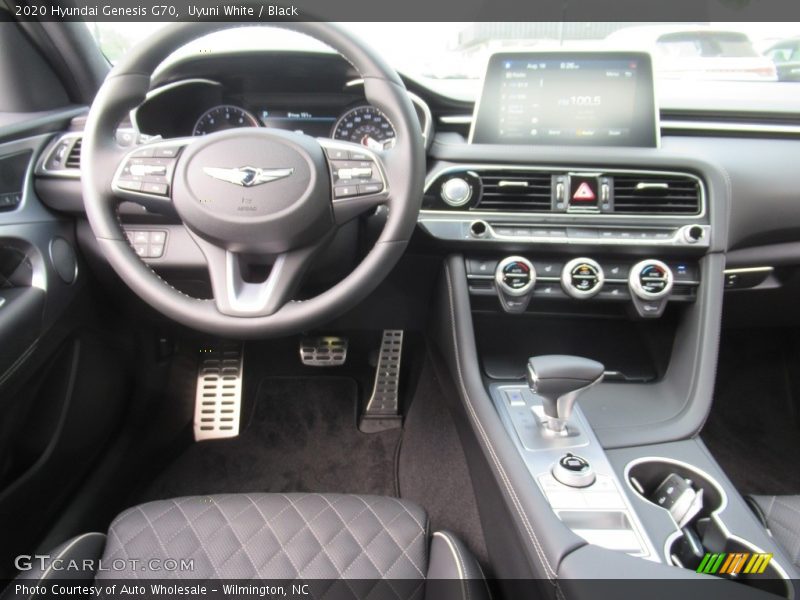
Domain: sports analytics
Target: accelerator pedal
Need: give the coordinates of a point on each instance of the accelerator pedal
(327, 351)
(218, 401)
(382, 410)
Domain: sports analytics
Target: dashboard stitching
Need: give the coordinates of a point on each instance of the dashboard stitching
(487, 442)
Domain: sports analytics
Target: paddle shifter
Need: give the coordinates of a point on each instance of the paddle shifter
(558, 380)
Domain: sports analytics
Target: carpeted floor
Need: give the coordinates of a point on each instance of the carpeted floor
(302, 436)
(433, 470)
(753, 429)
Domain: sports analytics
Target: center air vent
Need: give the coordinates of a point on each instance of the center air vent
(656, 194)
(515, 191)
(74, 157)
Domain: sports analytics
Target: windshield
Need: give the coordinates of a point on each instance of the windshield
(451, 57)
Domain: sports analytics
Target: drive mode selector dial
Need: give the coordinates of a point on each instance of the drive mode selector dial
(582, 278)
(650, 280)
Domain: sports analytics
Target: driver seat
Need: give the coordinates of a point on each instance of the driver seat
(279, 537)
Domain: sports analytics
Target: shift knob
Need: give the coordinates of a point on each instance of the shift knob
(558, 379)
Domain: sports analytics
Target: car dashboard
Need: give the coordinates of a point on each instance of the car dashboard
(316, 94)
(623, 254)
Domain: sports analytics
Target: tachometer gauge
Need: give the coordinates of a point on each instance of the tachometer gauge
(225, 116)
(365, 125)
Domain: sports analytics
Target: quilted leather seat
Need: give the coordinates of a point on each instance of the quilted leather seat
(781, 514)
(283, 537)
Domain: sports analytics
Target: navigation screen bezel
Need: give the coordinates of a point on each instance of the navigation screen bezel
(644, 121)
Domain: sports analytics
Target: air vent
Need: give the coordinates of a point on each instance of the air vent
(515, 191)
(659, 195)
(74, 157)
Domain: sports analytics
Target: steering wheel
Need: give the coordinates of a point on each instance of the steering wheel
(252, 198)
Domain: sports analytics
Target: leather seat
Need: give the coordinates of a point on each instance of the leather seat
(781, 515)
(282, 537)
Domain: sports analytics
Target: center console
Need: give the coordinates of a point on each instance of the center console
(581, 305)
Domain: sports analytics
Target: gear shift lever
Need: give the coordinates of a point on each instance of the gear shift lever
(558, 379)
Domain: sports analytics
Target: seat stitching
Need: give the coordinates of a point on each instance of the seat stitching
(242, 543)
(196, 518)
(403, 506)
(199, 539)
(138, 509)
(345, 528)
(487, 442)
(403, 550)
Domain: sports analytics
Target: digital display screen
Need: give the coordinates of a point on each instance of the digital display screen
(567, 98)
(302, 121)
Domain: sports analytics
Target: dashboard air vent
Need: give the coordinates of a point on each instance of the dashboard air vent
(514, 190)
(74, 157)
(656, 194)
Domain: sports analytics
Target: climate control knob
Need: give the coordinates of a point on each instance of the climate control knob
(515, 276)
(582, 278)
(456, 192)
(650, 280)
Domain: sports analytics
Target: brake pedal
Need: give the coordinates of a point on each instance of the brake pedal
(382, 410)
(218, 400)
(327, 351)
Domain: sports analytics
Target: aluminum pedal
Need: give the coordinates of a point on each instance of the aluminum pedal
(328, 351)
(218, 400)
(382, 410)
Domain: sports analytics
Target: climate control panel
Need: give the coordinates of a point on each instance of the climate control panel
(522, 282)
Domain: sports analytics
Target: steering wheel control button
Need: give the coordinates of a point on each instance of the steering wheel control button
(574, 471)
(582, 278)
(514, 278)
(148, 171)
(650, 282)
(456, 192)
(147, 243)
(354, 173)
(345, 191)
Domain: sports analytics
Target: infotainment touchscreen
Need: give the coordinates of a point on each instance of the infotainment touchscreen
(567, 98)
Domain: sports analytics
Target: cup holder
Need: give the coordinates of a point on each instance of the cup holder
(702, 532)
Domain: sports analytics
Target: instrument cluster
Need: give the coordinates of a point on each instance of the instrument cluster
(197, 107)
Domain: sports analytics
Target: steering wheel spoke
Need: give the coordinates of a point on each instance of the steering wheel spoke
(248, 285)
(145, 174)
(358, 179)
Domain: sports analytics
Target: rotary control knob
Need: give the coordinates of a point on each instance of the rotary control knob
(574, 471)
(582, 278)
(456, 192)
(515, 276)
(650, 280)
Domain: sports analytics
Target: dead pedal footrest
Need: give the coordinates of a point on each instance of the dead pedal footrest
(218, 400)
(326, 351)
(382, 410)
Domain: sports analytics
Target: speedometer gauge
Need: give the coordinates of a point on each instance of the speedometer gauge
(365, 125)
(225, 116)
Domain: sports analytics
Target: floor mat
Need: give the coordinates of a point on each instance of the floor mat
(432, 468)
(301, 437)
(753, 424)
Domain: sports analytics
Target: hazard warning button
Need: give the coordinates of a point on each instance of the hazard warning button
(584, 192)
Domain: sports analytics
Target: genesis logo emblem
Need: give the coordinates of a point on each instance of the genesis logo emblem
(247, 176)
